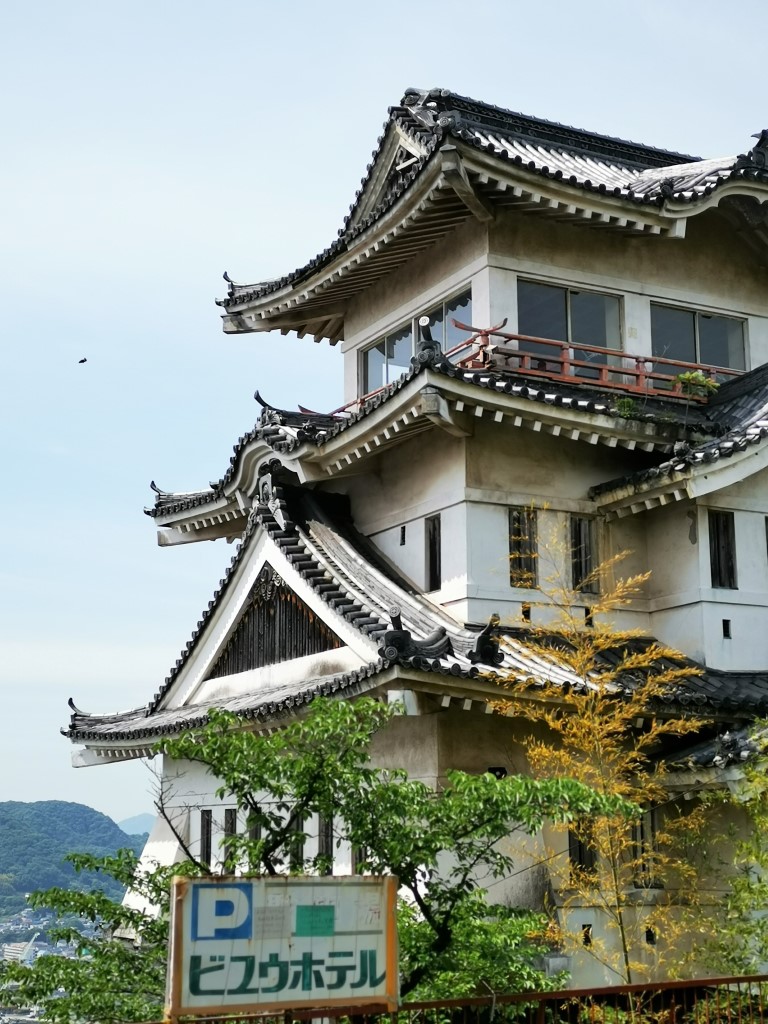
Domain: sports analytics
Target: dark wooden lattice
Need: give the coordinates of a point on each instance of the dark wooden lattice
(275, 626)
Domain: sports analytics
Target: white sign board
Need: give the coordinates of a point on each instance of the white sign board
(249, 944)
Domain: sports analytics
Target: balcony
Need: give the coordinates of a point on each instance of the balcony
(522, 354)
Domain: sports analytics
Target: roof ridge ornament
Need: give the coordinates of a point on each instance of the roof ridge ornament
(486, 649)
(398, 643)
(428, 351)
(424, 106)
(757, 157)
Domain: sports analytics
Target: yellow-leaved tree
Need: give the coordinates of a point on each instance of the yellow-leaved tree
(626, 894)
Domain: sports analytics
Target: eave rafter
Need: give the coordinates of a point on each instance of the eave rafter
(456, 184)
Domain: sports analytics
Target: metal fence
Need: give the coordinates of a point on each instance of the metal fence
(733, 1000)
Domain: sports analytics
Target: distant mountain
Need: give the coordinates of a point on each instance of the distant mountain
(35, 837)
(138, 825)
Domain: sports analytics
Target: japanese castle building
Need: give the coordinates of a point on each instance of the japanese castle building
(528, 314)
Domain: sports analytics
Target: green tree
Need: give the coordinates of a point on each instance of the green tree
(739, 945)
(442, 844)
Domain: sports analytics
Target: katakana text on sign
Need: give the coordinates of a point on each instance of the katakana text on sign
(245, 943)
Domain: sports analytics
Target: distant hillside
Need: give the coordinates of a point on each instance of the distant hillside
(35, 837)
(138, 825)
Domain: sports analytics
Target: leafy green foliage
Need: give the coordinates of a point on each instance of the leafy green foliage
(442, 845)
(112, 978)
(35, 839)
(740, 943)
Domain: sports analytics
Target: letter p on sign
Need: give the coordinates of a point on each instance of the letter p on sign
(223, 912)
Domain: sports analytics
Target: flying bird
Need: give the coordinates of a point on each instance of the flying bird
(83, 360)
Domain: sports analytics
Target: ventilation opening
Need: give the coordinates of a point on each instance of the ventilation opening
(588, 620)
(586, 935)
(726, 629)
(650, 936)
(402, 536)
(525, 611)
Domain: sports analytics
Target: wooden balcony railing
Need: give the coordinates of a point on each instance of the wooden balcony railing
(732, 1000)
(495, 349)
(498, 351)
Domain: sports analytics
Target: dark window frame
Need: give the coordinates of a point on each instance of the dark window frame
(325, 842)
(433, 553)
(582, 855)
(230, 831)
(523, 547)
(583, 554)
(722, 549)
(206, 837)
(439, 312)
(644, 848)
(569, 293)
(697, 316)
(296, 842)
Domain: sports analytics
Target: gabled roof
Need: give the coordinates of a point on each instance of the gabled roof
(443, 158)
(420, 646)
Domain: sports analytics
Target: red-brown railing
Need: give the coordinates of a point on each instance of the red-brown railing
(731, 1000)
(605, 367)
(496, 350)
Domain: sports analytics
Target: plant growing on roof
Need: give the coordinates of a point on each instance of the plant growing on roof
(696, 384)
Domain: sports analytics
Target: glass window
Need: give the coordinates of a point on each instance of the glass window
(385, 361)
(206, 836)
(564, 314)
(693, 337)
(583, 555)
(433, 553)
(722, 550)
(522, 547)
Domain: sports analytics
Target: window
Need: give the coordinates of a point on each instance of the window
(254, 834)
(433, 552)
(571, 315)
(581, 850)
(583, 555)
(296, 843)
(722, 550)
(693, 337)
(230, 831)
(325, 843)
(206, 835)
(644, 850)
(522, 547)
(391, 356)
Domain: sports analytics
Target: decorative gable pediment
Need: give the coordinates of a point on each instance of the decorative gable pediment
(275, 625)
(399, 154)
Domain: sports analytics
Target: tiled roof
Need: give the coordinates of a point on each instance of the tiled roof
(732, 747)
(267, 703)
(639, 174)
(739, 409)
(345, 570)
(285, 432)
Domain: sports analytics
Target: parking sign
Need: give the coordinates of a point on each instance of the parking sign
(250, 944)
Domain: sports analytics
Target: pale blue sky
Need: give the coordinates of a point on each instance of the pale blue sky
(146, 148)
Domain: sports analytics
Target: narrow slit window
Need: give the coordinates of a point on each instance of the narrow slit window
(522, 547)
(296, 843)
(230, 831)
(722, 550)
(206, 836)
(325, 844)
(583, 555)
(581, 851)
(434, 553)
(254, 834)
